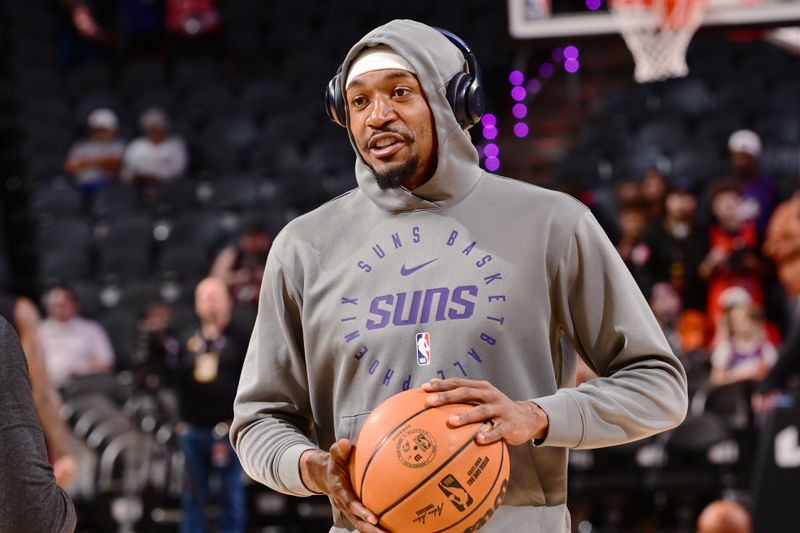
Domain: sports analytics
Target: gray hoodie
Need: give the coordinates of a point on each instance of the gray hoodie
(509, 280)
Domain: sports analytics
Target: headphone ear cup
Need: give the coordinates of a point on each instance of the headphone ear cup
(476, 106)
(334, 102)
(457, 97)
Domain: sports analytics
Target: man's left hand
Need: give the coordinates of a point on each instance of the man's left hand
(517, 422)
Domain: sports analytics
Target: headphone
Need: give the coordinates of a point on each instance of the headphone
(464, 90)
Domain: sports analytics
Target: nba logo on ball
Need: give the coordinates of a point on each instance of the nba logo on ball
(423, 349)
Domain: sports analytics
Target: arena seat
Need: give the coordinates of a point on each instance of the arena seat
(114, 200)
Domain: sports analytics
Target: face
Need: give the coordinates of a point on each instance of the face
(633, 223)
(664, 301)
(211, 299)
(742, 322)
(743, 163)
(256, 242)
(654, 187)
(61, 305)
(103, 134)
(681, 205)
(156, 134)
(725, 207)
(629, 192)
(392, 126)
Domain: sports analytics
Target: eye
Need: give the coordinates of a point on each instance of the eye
(400, 92)
(359, 101)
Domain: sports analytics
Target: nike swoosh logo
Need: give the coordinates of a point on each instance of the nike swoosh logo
(408, 271)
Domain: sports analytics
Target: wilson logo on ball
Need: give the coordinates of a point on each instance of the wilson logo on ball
(416, 448)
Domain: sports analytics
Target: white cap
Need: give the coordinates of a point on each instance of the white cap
(379, 57)
(746, 141)
(153, 118)
(734, 297)
(103, 118)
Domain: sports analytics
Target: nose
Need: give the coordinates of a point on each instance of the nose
(382, 112)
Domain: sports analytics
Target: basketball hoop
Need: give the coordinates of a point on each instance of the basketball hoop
(657, 33)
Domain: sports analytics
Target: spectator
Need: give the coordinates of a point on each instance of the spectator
(73, 346)
(95, 161)
(666, 305)
(156, 346)
(724, 516)
(23, 315)
(733, 258)
(782, 245)
(207, 374)
(743, 353)
(30, 500)
(654, 190)
(241, 265)
(156, 156)
(629, 192)
(633, 248)
(758, 191)
(678, 246)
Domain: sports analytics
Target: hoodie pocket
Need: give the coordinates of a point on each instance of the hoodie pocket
(350, 424)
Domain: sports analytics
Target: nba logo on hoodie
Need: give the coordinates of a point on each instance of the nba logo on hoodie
(423, 349)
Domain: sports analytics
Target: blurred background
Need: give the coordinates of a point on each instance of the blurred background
(148, 144)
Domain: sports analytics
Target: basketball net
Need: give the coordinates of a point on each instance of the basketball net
(657, 33)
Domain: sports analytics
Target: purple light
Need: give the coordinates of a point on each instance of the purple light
(489, 132)
(571, 52)
(518, 93)
(492, 163)
(533, 86)
(519, 110)
(546, 70)
(593, 5)
(489, 120)
(557, 54)
(572, 66)
(516, 77)
(491, 150)
(521, 129)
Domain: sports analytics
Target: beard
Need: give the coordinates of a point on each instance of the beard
(396, 175)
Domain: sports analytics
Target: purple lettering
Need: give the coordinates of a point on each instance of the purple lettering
(413, 312)
(383, 314)
(458, 365)
(407, 383)
(469, 248)
(500, 320)
(351, 301)
(373, 366)
(388, 377)
(493, 277)
(488, 340)
(497, 298)
(360, 354)
(415, 233)
(349, 318)
(379, 251)
(353, 335)
(468, 307)
(475, 355)
(483, 260)
(443, 293)
(452, 238)
(364, 266)
(440, 373)
(396, 240)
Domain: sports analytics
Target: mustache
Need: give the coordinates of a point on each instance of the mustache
(407, 137)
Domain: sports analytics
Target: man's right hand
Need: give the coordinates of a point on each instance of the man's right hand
(329, 473)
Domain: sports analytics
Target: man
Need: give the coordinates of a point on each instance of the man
(156, 156)
(95, 161)
(73, 346)
(206, 376)
(758, 191)
(30, 500)
(497, 272)
(782, 245)
(23, 315)
(241, 265)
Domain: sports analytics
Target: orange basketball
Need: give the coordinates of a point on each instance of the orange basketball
(418, 474)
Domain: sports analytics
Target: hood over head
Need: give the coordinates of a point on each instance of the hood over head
(436, 60)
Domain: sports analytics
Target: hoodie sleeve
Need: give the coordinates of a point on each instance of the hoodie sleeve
(642, 385)
(272, 420)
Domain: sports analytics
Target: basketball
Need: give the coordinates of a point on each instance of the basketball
(417, 473)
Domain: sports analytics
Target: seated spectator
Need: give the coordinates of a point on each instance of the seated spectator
(654, 191)
(679, 246)
(95, 161)
(241, 265)
(733, 258)
(782, 245)
(744, 353)
(73, 346)
(633, 248)
(155, 156)
(758, 191)
(724, 516)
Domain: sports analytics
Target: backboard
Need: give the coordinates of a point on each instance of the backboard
(538, 19)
